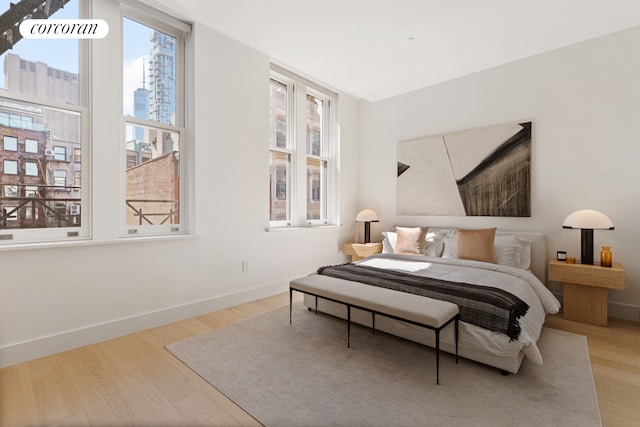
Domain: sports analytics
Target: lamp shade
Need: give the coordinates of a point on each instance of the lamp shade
(367, 215)
(588, 219)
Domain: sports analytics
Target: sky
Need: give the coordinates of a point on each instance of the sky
(55, 53)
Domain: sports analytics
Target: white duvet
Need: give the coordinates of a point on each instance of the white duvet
(519, 282)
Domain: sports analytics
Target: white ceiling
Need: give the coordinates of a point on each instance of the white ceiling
(361, 47)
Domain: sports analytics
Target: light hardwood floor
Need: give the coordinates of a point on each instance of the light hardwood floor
(133, 380)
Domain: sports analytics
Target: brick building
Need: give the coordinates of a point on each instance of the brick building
(153, 191)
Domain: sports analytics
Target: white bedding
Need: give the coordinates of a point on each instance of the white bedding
(521, 283)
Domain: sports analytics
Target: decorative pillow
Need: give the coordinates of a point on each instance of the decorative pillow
(411, 240)
(434, 243)
(476, 244)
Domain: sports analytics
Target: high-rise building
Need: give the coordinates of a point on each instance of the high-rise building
(141, 105)
(162, 99)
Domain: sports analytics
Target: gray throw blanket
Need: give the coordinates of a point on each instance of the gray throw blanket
(484, 306)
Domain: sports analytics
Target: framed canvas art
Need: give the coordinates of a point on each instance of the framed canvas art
(478, 172)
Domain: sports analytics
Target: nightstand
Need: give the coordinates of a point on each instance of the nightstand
(360, 251)
(585, 289)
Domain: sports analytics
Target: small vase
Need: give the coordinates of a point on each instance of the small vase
(606, 257)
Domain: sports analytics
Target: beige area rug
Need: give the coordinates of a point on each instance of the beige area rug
(304, 375)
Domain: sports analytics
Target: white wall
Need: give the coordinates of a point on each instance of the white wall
(56, 298)
(584, 101)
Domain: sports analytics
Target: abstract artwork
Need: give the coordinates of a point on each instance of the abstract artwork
(478, 172)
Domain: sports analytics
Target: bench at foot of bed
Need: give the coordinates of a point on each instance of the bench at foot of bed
(422, 311)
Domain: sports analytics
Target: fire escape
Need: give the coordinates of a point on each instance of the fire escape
(18, 12)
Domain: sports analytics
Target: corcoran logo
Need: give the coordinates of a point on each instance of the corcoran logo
(64, 28)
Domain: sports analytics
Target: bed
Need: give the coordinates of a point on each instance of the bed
(511, 261)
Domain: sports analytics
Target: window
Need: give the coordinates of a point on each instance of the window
(60, 154)
(10, 143)
(302, 142)
(40, 111)
(31, 191)
(11, 191)
(316, 159)
(45, 113)
(60, 178)
(281, 153)
(31, 146)
(154, 142)
(10, 167)
(30, 169)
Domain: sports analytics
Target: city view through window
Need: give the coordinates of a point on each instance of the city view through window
(41, 144)
(152, 150)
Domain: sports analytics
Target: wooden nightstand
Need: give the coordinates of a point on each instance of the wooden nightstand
(585, 289)
(360, 251)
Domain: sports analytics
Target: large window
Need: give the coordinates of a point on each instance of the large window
(49, 96)
(302, 141)
(43, 108)
(153, 110)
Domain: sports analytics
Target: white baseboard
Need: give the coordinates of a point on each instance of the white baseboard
(624, 311)
(32, 349)
(618, 310)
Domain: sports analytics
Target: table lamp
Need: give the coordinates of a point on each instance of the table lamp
(367, 216)
(587, 220)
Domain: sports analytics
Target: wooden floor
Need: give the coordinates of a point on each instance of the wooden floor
(133, 380)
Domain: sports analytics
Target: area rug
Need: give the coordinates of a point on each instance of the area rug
(304, 375)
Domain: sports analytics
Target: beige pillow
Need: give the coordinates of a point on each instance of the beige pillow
(411, 240)
(476, 244)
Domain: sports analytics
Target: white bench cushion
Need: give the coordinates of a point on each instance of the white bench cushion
(416, 308)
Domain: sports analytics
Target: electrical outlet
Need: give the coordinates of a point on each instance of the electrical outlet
(245, 265)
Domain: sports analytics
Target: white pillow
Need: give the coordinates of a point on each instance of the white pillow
(507, 249)
(435, 245)
(389, 242)
(450, 247)
(525, 253)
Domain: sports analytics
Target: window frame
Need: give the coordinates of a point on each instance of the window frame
(297, 136)
(181, 31)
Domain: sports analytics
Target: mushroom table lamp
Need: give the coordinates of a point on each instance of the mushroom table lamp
(367, 216)
(587, 220)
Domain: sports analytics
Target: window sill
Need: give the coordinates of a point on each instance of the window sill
(90, 242)
(300, 228)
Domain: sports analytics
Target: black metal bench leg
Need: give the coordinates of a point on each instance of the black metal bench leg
(348, 326)
(457, 333)
(290, 303)
(437, 356)
(373, 323)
